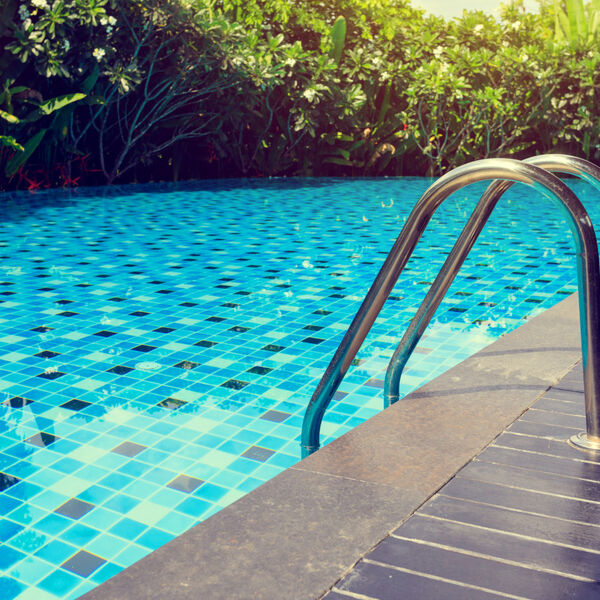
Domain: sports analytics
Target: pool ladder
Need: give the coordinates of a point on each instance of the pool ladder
(536, 172)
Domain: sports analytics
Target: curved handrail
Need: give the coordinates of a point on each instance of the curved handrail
(497, 168)
(554, 163)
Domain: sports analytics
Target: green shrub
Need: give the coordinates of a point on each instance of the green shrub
(98, 90)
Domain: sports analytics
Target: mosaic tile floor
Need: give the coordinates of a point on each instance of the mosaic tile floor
(160, 344)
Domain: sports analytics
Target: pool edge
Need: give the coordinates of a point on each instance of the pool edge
(297, 534)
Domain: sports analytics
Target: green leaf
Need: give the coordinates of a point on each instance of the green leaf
(385, 104)
(57, 103)
(8, 117)
(13, 165)
(338, 161)
(90, 81)
(338, 38)
(10, 142)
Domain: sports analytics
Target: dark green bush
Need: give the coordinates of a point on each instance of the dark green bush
(96, 91)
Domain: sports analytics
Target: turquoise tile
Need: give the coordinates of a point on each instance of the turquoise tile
(121, 503)
(26, 514)
(9, 556)
(130, 555)
(60, 583)
(79, 534)
(10, 588)
(56, 552)
(106, 545)
(31, 570)
(175, 523)
(127, 529)
(193, 507)
(53, 524)
(105, 572)
(100, 518)
(154, 538)
(29, 541)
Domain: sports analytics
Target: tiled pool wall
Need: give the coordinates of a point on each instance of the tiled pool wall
(160, 343)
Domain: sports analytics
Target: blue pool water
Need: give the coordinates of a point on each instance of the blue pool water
(159, 345)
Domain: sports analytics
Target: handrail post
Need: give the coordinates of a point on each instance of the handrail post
(555, 163)
(502, 169)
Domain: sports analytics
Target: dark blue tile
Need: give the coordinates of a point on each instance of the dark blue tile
(185, 483)
(258, 453)
(7, 481)
(75, 404)
(128, 449)
(83, 563)
(74, 508)
(42, 439)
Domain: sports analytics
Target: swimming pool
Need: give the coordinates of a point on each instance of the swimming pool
(160, 343)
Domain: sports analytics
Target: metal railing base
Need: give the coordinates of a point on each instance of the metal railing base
(582, 441)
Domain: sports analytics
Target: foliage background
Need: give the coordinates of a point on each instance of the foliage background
(100, 91)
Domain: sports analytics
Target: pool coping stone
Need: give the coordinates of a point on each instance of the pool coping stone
(299, 533)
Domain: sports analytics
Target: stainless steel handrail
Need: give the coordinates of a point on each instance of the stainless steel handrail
(502, 169)
(554, 163)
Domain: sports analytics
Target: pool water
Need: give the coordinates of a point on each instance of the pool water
(160, 344)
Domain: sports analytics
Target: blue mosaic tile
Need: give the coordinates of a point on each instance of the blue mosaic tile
(149, 379)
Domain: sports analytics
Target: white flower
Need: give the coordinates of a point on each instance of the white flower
(438, 51)
(309, 94)
(98, 53)
(516, 25)
(478, 28)
(103, 21)
(39, 3)
(112, 21)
